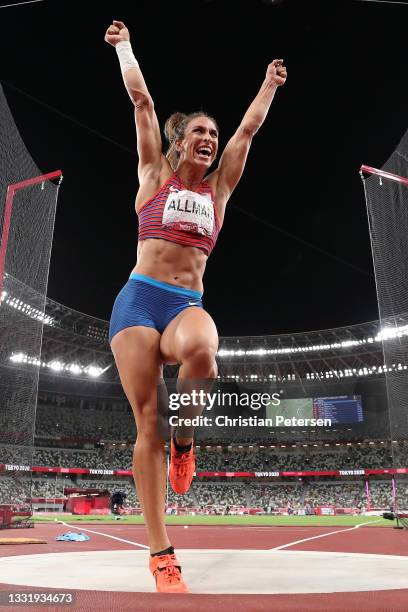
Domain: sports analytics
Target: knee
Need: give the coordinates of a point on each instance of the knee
(199, 360)
(149, 427)
(149, 438)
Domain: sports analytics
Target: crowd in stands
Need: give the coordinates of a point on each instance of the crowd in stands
(273, 497)
(224, 493)
(342, 495)
(91, 459)
(266, 460)
(381, 495)
(60, 416)
(218, 497)
(93, 422)
(14, 489)
(86, 424)
(258, 460)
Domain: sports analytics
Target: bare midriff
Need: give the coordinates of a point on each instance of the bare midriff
(171, 263)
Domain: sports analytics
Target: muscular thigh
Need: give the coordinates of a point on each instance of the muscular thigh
(191, 330)
(137, 356)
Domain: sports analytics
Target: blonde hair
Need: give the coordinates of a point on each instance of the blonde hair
(175, 128)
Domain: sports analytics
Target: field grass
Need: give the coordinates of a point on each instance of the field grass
(245, 521)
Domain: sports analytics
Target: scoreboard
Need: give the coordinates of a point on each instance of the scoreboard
(341, 409)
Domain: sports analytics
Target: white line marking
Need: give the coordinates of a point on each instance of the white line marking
(323, 535)
(104, 534)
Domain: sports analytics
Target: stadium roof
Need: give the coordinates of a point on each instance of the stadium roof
(75, 346)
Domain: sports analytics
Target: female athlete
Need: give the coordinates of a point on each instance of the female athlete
(158, 316)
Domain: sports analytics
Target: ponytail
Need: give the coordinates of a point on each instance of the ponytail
(174, 129)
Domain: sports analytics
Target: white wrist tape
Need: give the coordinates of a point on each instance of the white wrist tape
(125, 54)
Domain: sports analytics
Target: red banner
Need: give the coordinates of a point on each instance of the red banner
(59, 470)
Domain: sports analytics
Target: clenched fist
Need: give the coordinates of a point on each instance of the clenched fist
(116, 33)
(276, 72)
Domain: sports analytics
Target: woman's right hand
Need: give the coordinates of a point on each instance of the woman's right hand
(116, 33)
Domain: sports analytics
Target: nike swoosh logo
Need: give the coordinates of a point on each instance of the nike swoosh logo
(193, 304)
(171, 188)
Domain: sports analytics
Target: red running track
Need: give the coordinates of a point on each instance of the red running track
(374, 540)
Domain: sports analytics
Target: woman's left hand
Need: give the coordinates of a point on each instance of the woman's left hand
(276, 72)
(117, 32)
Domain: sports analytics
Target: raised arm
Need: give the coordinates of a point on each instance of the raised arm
(232, 161)
(149, 144)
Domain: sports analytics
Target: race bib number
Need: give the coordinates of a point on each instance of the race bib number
(190, 212)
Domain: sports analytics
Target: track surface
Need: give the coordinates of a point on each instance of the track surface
(385, 541)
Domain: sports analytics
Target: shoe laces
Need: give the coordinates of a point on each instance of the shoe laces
(170, 572)
(182, 461)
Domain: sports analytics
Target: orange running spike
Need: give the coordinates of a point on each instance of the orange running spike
(167, 572)
(182, 467)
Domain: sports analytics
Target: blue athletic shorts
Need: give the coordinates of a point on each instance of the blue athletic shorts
(151, 303)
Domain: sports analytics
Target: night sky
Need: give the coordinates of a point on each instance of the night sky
(294, 253)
